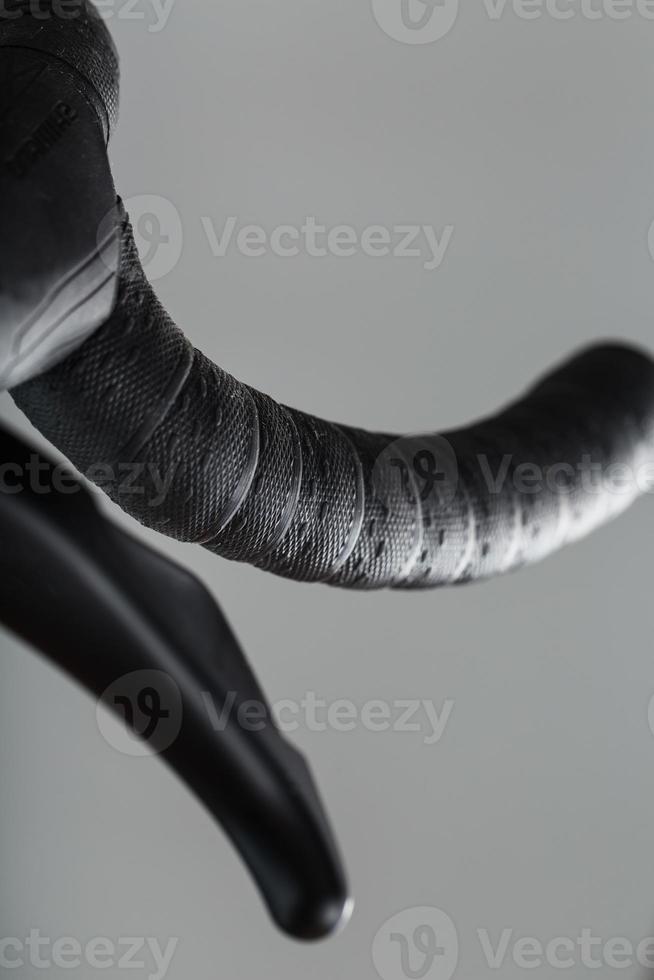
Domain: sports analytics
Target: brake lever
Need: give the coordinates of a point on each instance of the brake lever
(143, 634)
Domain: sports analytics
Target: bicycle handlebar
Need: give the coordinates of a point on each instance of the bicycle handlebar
(256, 481)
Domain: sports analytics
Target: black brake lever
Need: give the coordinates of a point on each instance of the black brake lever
(106, 608)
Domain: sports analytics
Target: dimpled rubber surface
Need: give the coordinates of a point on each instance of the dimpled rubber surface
(190, 451)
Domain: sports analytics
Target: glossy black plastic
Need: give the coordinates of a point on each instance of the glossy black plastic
(142, 633)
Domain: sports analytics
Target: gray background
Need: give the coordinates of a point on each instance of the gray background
(534, 139)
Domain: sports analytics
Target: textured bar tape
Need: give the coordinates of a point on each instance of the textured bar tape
(73, 32)
(188, 450)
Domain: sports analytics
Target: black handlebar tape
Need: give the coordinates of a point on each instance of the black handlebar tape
(58, 256)
(73, 33)
(190, 451)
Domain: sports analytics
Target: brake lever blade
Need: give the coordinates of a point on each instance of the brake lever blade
(146, 636)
